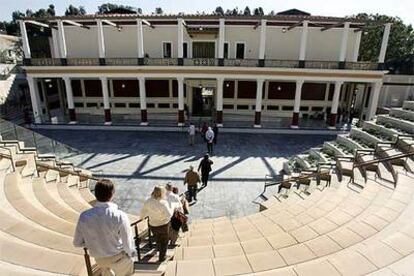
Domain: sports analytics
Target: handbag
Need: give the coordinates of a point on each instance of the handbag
(181, 217)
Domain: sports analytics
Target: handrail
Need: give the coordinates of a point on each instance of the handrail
(49, 167)
(385, 159)
(8, 156)
(295, 178)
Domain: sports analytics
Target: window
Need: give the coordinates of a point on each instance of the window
(166, 49)
(287, 108)
(272, 107)
(228, 106)
(133, 105)
(242, 107)
(240, 50)
(163, 105)
(185, 50)
(77, 104)
(120, 105)
(226, 50)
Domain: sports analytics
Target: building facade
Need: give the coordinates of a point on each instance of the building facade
(229, 68)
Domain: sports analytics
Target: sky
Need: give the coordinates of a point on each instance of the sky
(401, 8)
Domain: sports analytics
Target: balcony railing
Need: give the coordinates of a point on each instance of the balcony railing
(270, 63)
(200, 62)
(161, 61)
(242, 62)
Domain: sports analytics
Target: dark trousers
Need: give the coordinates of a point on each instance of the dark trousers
(204, 178)
(210, 147)
(161, 236)
(192, 193)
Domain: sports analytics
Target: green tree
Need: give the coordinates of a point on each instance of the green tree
(110, 7)
(247, 11)
(219, 11)
(72, 10)
(159, 10)
(400, 43)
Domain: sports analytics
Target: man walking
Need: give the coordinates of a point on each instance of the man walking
(215, 130)
(191, 134)
(205, 167)
(106, 232)
(192, 178)
(209, 140)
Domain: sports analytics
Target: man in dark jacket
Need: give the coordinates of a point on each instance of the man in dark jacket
(205, 167)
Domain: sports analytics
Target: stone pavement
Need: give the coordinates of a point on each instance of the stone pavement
(137, 161)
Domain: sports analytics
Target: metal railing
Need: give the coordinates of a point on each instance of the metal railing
(161, 61)
(286, 182)
(40, 143)
(271, 63)
(200, 62)
(241, 62)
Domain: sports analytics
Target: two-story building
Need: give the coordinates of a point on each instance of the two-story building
(254, 69)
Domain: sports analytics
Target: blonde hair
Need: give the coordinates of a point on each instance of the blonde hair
(158, 192)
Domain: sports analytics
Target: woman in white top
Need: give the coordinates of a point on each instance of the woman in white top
(159, 213)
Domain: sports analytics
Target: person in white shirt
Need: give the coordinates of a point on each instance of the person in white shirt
(210, 140)
(175, 203)
(106, 232)
(159, 214)
(191, 134)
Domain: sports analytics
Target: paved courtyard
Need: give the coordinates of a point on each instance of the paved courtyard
(137, 161)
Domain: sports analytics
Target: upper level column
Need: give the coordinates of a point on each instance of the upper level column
(101, 42)
(105, 94)
(258, 107)
(262, 47)
(303, 43)
(219, 100)
(296, 106)
(384, 45)
(180, 40)
(140, 41)
(180, 101)
(221, 39)
(143, 101)
(335, 104)
(69, 98)
(356, 46)
(344, 44)
(373, 100)
(34, 97)
(62, 42)
(25, 42)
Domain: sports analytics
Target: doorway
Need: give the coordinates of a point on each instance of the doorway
(203, 102)
(203, 49)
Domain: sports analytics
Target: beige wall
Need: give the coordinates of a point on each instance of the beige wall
(283, 46)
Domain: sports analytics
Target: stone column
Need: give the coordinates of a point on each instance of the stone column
(356, 46)
(143, 101)
(296, 106)
(221, 38)
(25, 42)
(180, 41)
(140, 42)
(303, 43)
(101, 42)
(373, 100)
(105, 94)
(384, 44)
(335, 103)
(258, 108)
(62, 42)
(219, 102)
(262, 47)
(34, 96)
(69, 98)
(344, 44)
(180, 101)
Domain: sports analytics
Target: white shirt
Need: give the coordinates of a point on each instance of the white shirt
(158, 211)
(191, 130)
(210, 135)
(174, 201)
(105, 231)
